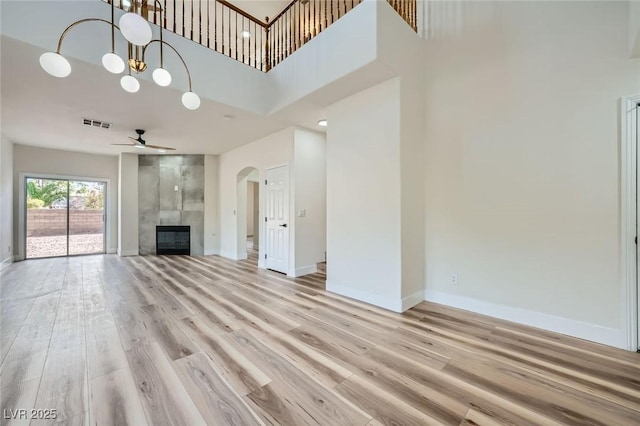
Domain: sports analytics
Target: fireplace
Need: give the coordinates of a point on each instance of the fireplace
(173, 240)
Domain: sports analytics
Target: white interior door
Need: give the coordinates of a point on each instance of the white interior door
(277, 219)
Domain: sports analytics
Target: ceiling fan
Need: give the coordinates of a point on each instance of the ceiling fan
(141, 143)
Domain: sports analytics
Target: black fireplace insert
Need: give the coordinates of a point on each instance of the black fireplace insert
(173, 240)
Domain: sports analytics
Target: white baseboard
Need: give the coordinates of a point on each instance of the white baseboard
(365, 296)
(412, 300)
(211, 252)
(592, 332)
(128, 253)
(8, 261)
(304, 270)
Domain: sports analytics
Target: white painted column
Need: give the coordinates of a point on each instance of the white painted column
(128, 205)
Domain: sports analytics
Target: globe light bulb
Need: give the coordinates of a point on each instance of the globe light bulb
(55, 64)
(129, 83)
(191, 101)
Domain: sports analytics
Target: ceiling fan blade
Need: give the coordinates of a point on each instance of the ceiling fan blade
(134, 139)
(160, 147)
(123, 144)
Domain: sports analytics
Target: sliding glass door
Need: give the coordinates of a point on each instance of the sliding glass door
(64, 217)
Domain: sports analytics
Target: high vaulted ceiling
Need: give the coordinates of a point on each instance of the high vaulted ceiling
(41, 110)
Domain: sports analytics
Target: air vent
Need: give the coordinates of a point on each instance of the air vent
(96, 123)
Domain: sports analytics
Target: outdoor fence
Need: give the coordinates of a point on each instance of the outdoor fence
(49, 222)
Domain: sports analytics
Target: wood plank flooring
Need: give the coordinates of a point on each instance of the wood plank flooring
(172, 340)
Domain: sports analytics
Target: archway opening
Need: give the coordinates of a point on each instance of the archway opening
(248, 213)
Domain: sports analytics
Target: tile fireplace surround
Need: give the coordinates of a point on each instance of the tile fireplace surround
(171, 192)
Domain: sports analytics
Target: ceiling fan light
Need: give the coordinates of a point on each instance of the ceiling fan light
(129, 83)
(55, 64)
(162, 77)
(323, 122)
(139, 146)
(113, 63)
(191, 101)
(135, 29)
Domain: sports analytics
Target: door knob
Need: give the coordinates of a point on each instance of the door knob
(284, 225)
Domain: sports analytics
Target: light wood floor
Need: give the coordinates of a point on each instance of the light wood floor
(203, 340)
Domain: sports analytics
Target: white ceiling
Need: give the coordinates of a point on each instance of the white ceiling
(261, 8)
(41, 110)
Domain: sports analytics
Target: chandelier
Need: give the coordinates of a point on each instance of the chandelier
(137, 32)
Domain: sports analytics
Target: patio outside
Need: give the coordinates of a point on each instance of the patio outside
(64, 218)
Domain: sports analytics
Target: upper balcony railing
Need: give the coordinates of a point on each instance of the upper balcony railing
(227, 29)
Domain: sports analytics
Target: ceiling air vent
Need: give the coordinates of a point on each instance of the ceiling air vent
(96, 123)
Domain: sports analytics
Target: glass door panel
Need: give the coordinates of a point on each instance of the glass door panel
(86, 217)
(47, 226)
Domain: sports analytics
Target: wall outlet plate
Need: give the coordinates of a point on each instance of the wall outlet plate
(454, 279)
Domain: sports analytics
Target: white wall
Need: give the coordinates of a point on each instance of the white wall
(363, 199)
(271, 151)
(211, 204)
(408, 63)
(522, 166)
(128, 213)
(633, 33)
(310, 191)
(6, 202)
(345, 47)
(30, 159)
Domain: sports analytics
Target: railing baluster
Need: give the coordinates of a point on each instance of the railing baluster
(290, 26)
(325, 16)
(307, 28)
(332, 19)
(266, 44)
(236, 36)
(279, 38)
(222, 24)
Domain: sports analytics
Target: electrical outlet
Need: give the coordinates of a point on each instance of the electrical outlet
(454, 279)
(9, 249)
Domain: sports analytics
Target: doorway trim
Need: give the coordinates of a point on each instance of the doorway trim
(629, 219)
(22, 211)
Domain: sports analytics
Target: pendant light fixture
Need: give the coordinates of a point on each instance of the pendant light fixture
(112, 62)
(137, 31)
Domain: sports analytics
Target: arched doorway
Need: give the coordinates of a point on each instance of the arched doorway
(247, 213)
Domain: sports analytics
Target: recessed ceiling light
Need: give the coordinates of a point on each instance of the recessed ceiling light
(323, 122)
